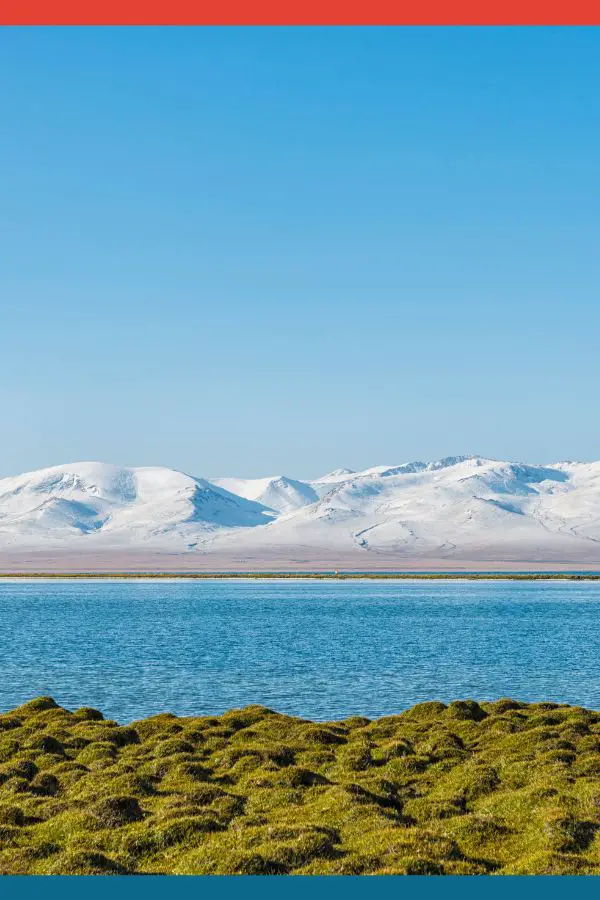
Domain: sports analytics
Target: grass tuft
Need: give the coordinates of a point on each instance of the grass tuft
(467, 788)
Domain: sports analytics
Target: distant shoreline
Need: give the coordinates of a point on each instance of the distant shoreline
(303, 576)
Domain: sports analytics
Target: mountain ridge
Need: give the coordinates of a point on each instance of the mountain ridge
(459, 507)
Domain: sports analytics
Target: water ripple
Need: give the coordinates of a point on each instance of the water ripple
(316, 649)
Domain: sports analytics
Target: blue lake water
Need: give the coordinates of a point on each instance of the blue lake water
(311, 648)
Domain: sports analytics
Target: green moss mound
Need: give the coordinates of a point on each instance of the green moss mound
(465, 788)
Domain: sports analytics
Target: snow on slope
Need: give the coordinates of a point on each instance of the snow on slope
(457, 507)
(466, 507)
(122, 504)
(278, 493)
(340, 476)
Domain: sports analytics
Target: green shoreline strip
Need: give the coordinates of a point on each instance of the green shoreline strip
(469, 788)
(324, 576)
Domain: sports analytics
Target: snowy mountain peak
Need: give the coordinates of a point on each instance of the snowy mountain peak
(117, 501)
(458, 507)
(278, 493)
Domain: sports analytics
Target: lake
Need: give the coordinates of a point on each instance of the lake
(318, 649)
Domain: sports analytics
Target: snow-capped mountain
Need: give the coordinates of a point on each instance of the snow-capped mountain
(458, 508)
(280, 494)
(116, 504)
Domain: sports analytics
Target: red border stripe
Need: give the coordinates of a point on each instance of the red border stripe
(299, 12)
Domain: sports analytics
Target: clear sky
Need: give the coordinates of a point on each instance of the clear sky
(260, 251)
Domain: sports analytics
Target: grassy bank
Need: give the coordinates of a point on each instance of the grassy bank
(498, 787)
(323, 576)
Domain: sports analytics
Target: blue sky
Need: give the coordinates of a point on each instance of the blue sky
(255, 251)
